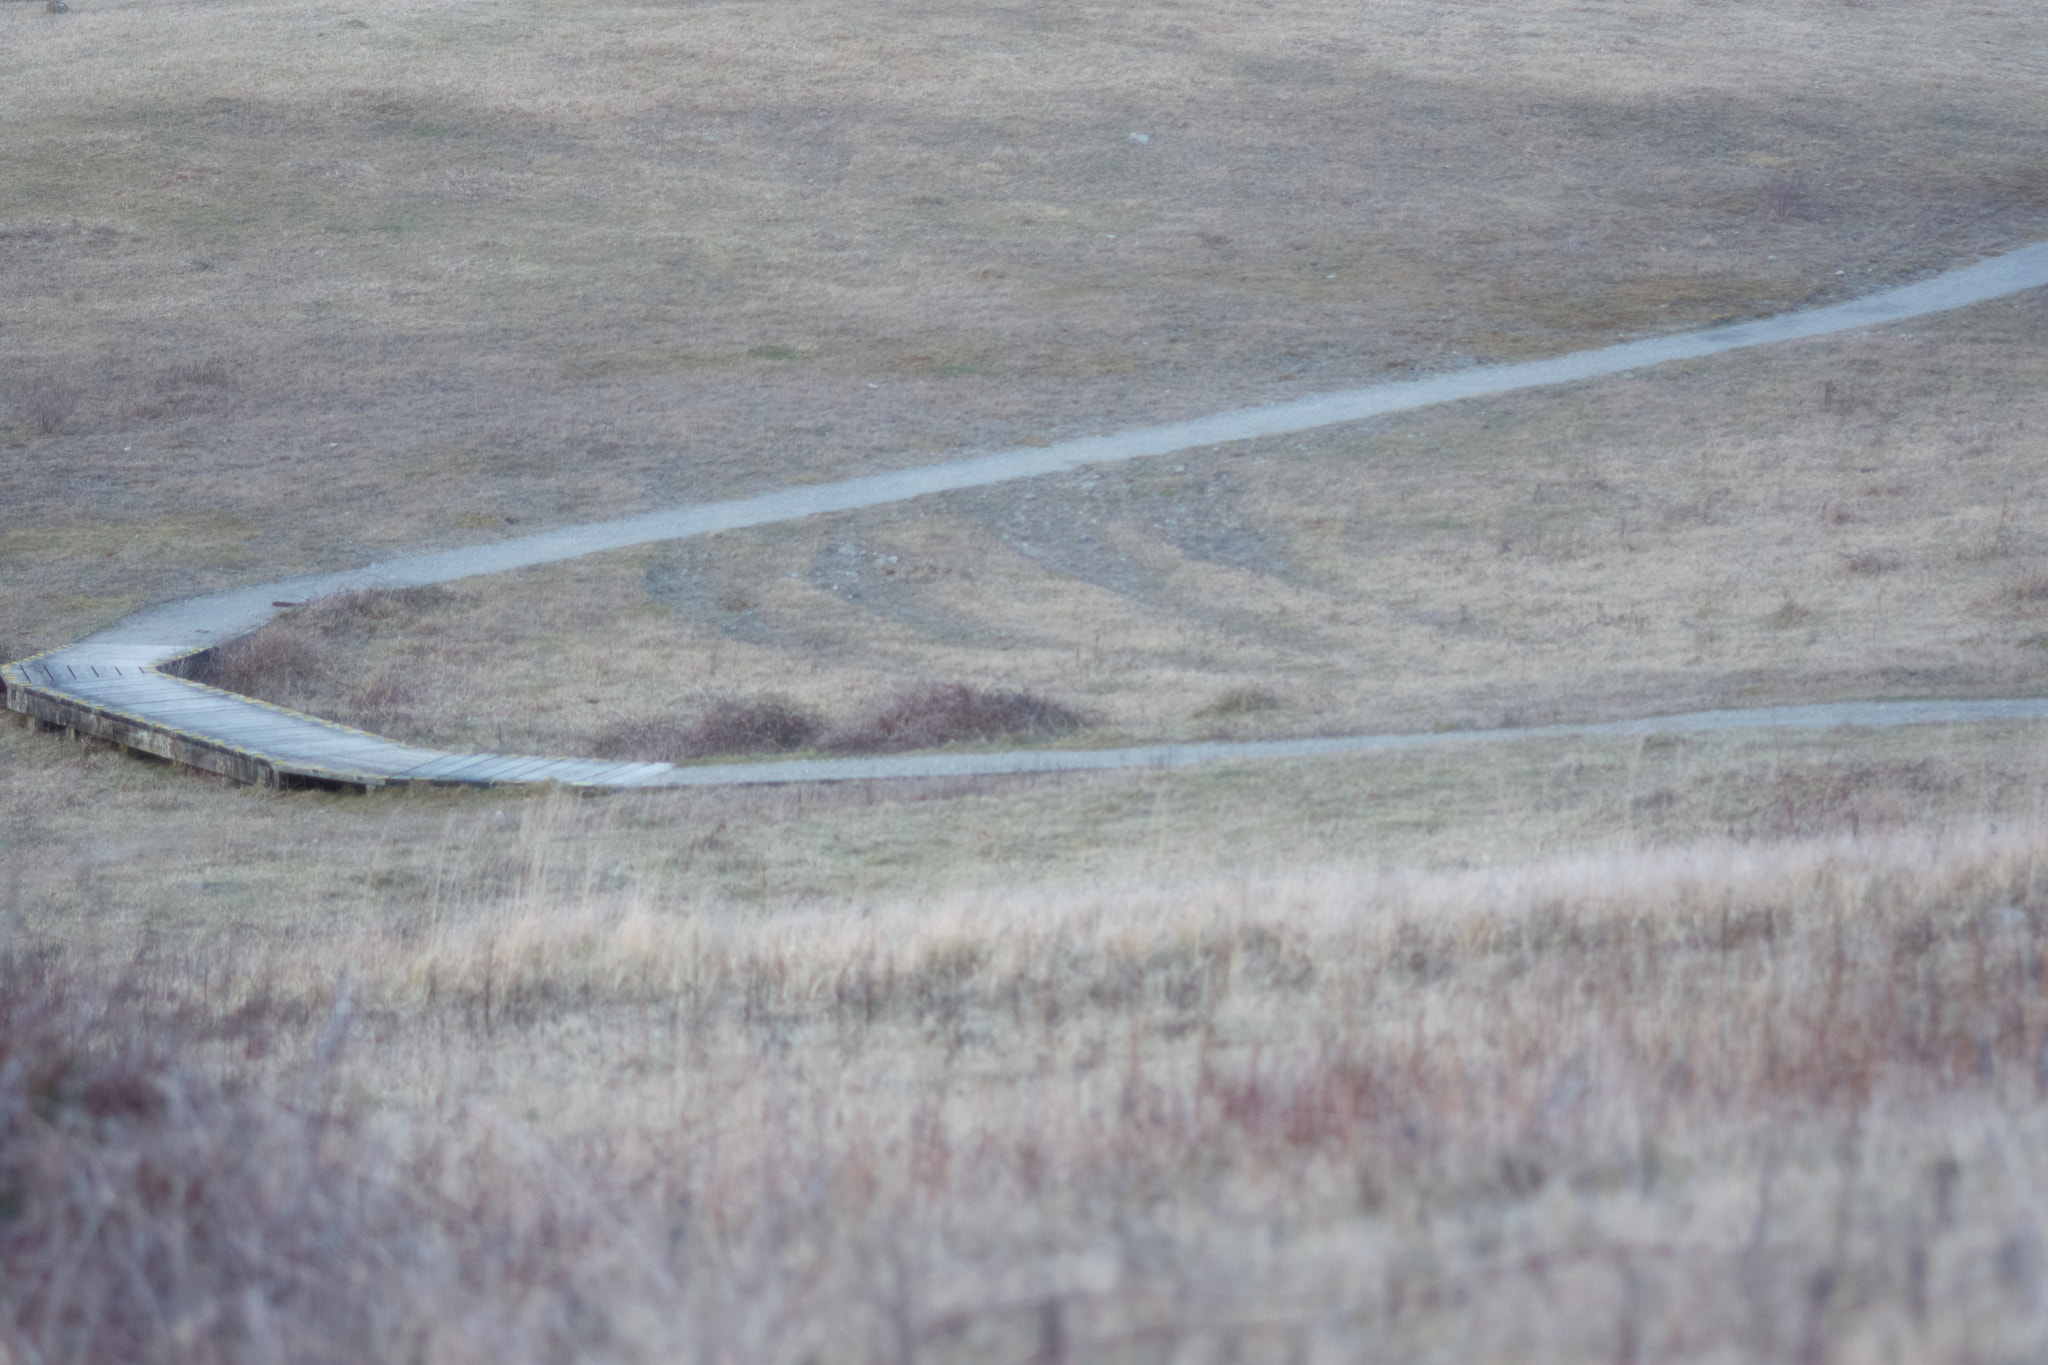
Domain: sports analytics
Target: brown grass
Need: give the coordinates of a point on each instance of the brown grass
(582, 264)
(930, 715)
(728, 725)
(1705, 1049)
(957, 1071)
(149, 1213)
(278, 664)
(307, 659)
(1722, 1100)
(1625, 547)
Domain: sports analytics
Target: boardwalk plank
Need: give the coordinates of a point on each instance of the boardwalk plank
(526, 769)
(450, 766)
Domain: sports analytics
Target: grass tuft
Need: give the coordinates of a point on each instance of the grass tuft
(1790, 196)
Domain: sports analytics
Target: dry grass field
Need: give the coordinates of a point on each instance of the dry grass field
(1729, 1048)
(1329, 1063)
(292, 285)
(1846, 518)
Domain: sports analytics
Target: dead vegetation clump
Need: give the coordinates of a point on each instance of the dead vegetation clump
(148, 1214)
(1790, 196)
(305, 660)
(931, 715)
(729, 725)
(1239, 701)
(355, 614)
(1709, 1102)
(278, 663)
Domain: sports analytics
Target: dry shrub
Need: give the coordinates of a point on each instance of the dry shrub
(729, 725)
(384, 702)
(1790, 196)
(735, 725)
(357, 613)
(46, 412)
(198, 374)
(1239, 701)
(934, 714)
(1718, 1102)
(148, 1215)
(276, 663)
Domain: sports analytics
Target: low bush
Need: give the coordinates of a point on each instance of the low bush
(276, 663)
(934, 714)
(1239, 701)
(735, 725)
(729, 725)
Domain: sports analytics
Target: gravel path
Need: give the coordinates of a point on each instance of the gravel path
(161, 633)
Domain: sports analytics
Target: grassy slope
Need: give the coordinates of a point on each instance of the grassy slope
(1713, 1049)
(291, 287)
(1846, 518)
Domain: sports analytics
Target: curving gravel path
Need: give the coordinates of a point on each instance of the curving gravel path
(111, 684)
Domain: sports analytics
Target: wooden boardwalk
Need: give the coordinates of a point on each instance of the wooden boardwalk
(123, 693)
(122, 685)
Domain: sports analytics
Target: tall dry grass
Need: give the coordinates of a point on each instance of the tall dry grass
(1763, 1101)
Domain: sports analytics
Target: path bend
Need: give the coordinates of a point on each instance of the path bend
(122, 684)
